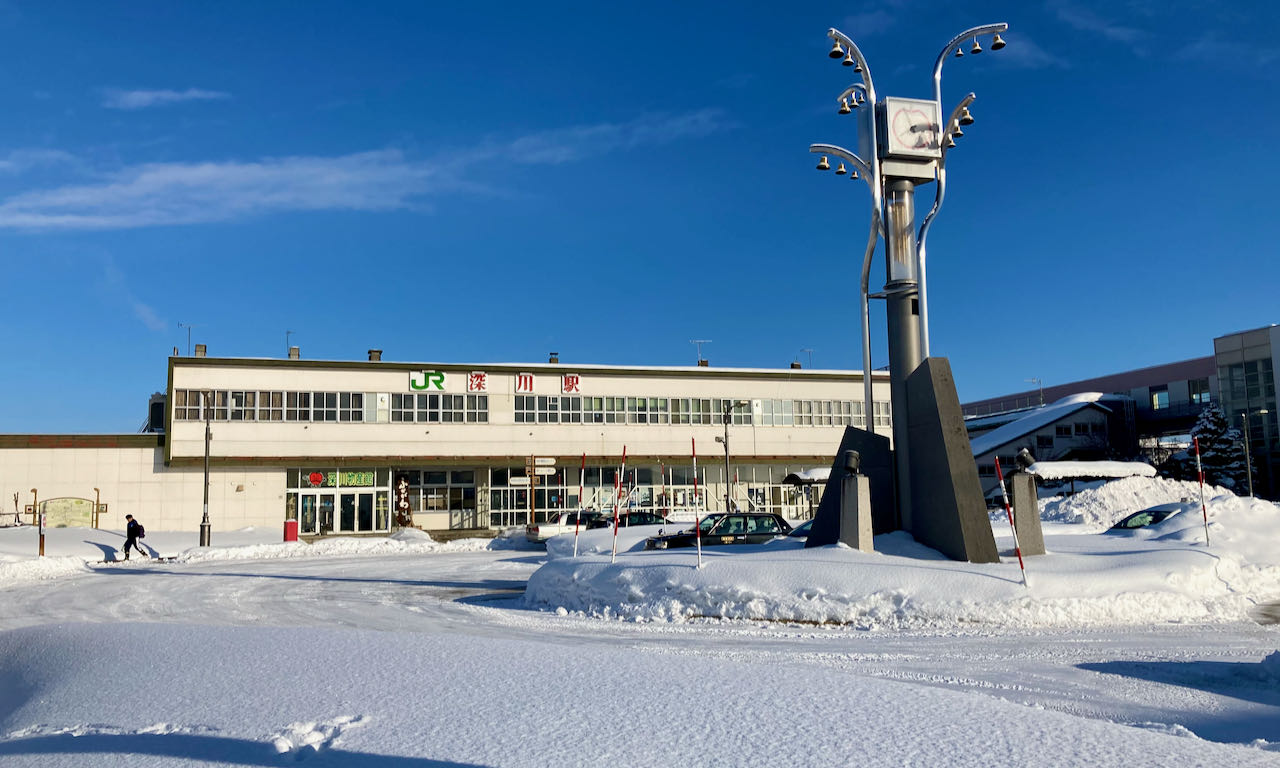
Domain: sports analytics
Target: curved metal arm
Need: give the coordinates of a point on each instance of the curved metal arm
(947, 49)
(856, 53)
(847, 92)
(831, 149)
(877, 221)
(939, 193)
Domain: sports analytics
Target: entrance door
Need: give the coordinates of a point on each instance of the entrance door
(307, 520)
(326, 513)
(347, 513)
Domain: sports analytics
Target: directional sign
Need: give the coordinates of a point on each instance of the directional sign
(544, 461)
(517, 481)
(544, 471)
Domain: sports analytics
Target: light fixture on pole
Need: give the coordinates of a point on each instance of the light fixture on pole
(206, 397)
(729, 407)
(1036, 380)
(1248, 460)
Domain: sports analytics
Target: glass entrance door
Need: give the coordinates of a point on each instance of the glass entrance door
(307, 520)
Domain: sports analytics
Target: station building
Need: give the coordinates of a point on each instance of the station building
(349, 447)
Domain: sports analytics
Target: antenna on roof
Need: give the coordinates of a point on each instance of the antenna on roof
(188, 326)
(698, 343)
(810, 351)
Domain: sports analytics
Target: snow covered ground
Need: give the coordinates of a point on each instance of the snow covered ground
(1127, 650)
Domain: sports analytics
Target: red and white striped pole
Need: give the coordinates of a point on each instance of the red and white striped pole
(697, 518)
(582, 474)
(617, 488)
(1009, 511)
(1204, 511)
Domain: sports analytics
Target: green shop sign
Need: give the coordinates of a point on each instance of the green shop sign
(333, 478)
(427, 380)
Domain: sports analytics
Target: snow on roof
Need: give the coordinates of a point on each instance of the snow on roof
(1062, 470)
(1034, 420)
(808, 476)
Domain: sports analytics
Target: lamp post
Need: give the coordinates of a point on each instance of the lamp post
(729, 407)
(902, 143)
(206, 398)
(35, 507)
(97, 505)
(1248, 461)
(1040, 384)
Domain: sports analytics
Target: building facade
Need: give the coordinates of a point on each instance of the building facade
(343, 446)
(1246, 373)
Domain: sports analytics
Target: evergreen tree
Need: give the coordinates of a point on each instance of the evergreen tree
(1221, 450)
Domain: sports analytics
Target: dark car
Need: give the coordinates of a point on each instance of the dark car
(734, 528)
(628, 519)
(1150, 516)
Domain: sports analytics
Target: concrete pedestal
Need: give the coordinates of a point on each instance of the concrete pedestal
(855, 512)
(1026, 513)
(948, 511)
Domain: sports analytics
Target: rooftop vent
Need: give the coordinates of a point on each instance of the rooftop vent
(704, 363)
(201, 350)
(554, 358)
(295, 353)
(795, 364)
(375, 354)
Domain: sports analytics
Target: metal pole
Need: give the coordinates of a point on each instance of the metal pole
(901, 312)
(727, 408)
(1248, 462)
(205, 526)
(35, 505)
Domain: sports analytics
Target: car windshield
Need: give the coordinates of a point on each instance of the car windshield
(708, 522)
(1144, 518)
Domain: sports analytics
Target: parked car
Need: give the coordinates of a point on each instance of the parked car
(1150, 516)
(562, 522)
(801, 531)
(734, 528)
(628, 519)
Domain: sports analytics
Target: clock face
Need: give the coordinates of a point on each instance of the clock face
(913, 127)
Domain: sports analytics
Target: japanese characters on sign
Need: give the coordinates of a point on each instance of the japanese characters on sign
(524, 383)
(569, 383)
(477, 381)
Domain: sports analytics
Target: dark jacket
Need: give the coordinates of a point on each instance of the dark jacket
(131, 530)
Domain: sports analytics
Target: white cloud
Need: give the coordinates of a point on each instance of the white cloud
(1088, 21)
(22, 160)
(1216, 51)
(165, 194)
(1022, 52)
(140, 99)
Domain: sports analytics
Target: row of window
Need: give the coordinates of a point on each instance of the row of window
(254, 405)
(440, 409)
(566, 409)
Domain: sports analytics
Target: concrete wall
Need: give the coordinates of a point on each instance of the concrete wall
(135, 481)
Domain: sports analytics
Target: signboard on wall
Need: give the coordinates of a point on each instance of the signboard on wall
(422, 380)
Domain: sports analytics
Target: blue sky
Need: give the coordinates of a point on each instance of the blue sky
(491, 182)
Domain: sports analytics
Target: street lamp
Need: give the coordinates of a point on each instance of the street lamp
(729, 407)
(1248, 461)
(206, 398)
(901, 143)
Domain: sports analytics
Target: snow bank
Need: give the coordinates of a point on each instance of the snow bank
(1103, 505)
(1157, 575)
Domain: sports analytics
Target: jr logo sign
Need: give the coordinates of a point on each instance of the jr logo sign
(427, 380)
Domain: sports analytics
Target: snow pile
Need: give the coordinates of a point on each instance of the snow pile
(1103, 505)
(405, 542)
(1157, 575)
(1059, 470)
(37, 569)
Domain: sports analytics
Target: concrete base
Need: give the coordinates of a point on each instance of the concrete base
(948, 512)
(877, 467)
(855, 512)
(1026, 513)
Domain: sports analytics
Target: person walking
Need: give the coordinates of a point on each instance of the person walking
(133, 531)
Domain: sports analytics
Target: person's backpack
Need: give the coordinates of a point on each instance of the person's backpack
(142, 532)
